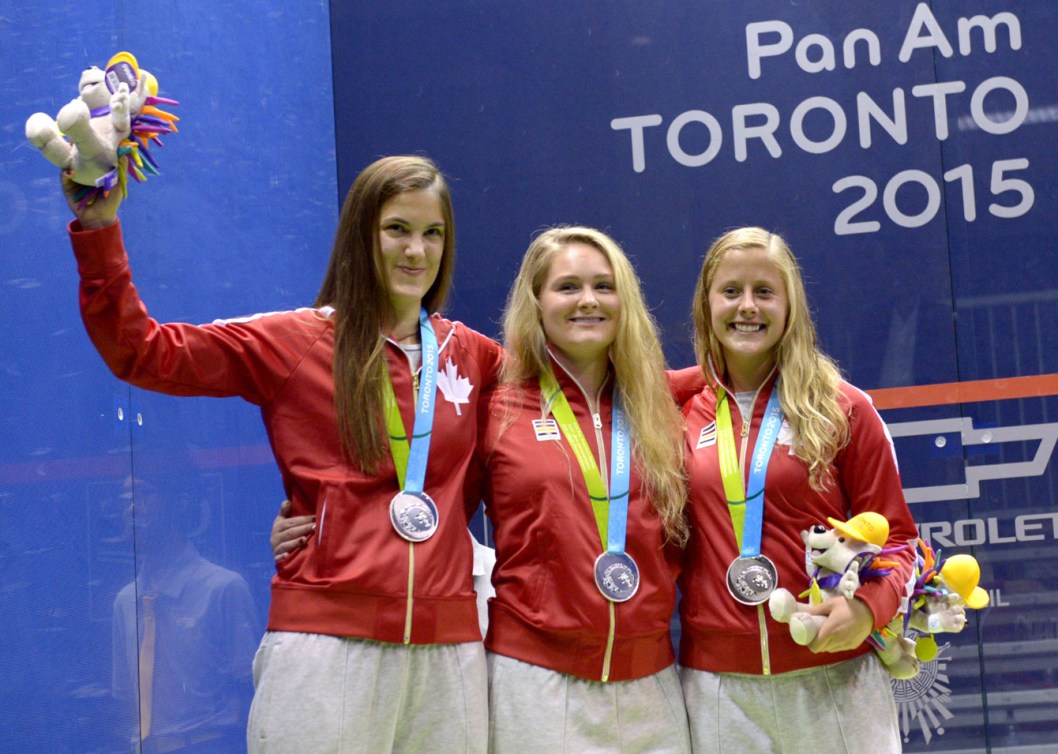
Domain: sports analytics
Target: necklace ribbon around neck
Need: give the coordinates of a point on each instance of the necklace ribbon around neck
(616, 573)
(751, 577)
(412, 512)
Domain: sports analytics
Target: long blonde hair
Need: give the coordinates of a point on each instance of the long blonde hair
(810, 379)
(355, 286)
(636, 355)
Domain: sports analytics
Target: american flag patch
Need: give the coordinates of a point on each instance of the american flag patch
(546, 429)
(707, 436)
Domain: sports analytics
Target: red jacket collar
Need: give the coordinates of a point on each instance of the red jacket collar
(568, 382)
(716, 380)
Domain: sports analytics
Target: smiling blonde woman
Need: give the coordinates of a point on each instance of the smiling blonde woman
(581, 450)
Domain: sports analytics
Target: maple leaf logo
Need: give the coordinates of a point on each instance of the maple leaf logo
(456, 389)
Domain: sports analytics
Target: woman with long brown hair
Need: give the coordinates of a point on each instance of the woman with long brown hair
(369, 398)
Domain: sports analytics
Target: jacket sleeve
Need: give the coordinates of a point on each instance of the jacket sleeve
(248, 358)
(869, 475)
(685, 383)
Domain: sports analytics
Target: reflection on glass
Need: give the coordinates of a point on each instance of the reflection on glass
(184, 634)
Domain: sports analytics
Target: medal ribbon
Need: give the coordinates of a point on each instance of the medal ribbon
(747, 511)
(410, 456)
(610, 508)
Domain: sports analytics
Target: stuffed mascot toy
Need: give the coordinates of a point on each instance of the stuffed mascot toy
(102, 137)
(838, 559)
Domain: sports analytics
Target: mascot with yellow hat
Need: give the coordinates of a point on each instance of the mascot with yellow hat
(838, 559)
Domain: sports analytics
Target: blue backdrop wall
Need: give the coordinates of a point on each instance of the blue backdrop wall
(905, 149)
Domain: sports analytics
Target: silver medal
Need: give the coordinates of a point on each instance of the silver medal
(616, 576)
(413, 515)
(751, 580)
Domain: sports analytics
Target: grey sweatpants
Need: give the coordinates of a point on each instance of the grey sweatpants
(845, 708)
(316, 694)
(534, 710)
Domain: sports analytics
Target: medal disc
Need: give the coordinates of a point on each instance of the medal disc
(751, 580)
(413, 515)
(616, 576)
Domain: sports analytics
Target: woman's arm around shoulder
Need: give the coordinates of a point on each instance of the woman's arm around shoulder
(685, 383)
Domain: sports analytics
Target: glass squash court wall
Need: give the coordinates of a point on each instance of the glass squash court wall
(111, 494)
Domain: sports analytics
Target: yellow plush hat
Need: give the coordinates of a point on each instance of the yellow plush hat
(867, 527)
(961, 573)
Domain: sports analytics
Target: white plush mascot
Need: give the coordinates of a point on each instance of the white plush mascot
(833, 559)
(839, 559)
(944, 588)
(102, 136)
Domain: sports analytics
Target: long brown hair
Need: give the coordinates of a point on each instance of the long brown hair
(636, 355)
(355, 286)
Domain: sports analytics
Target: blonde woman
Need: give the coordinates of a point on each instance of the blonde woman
(581, 449)
(810, 446)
